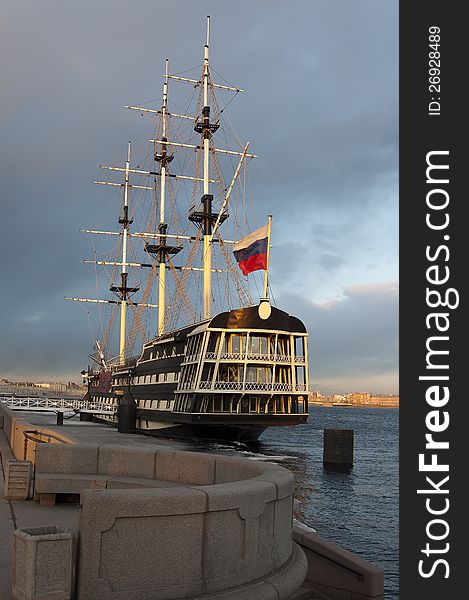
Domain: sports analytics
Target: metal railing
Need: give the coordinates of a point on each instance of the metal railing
(37, 437)
(250, 386)
(54, 404)
(241, 356)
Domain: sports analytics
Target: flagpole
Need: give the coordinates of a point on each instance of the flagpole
(266, 274)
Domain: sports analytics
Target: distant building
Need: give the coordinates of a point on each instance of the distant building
(355, 399)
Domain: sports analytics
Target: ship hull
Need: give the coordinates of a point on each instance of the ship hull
(229, 378)
(240, 428)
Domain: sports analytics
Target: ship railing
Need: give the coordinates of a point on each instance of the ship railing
(249, 386)
(281, 358)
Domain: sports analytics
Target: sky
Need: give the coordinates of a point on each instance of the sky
(320, 110)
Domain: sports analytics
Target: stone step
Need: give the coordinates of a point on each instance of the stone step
(303, 593)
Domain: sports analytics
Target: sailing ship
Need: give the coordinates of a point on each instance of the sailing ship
(221, 365)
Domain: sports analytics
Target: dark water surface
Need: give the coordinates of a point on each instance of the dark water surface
(357, 510)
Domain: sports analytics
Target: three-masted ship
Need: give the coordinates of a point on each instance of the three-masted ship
(221, 365)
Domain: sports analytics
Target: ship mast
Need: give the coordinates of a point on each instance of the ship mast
(207, 198)
(163, 251)
(123, 291)
(162, 226)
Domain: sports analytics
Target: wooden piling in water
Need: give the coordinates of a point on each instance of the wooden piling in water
(338, 448)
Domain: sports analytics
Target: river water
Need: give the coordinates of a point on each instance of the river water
(358, 509)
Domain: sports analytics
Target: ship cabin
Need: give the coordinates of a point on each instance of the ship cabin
(153, 377)
(241, 364)
(236, 369)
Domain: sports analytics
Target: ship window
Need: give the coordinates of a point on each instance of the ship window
(213, 342)
(299, 346)
(207, 372)
(294, 407)
(229, 372)
(300, 375)
(272, 344)
(281, 404)
(197, 344)
(190, 347)
(188, 375)
(202, 404)
(283, 375)
(217, 404)
(259, 374)
(236, 344)
(255, 344)
(253, 404)
(259, 345)
(283, 346)
(192, 350)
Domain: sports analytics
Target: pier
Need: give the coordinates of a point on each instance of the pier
(125, 476)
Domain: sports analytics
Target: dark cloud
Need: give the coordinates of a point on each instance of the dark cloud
(320, 109)
(330, 262)
(352, 338)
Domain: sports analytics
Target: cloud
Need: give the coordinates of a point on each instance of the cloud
(320, 110)
(330, 262)
(353, 341)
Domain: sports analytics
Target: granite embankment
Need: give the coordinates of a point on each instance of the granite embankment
(155, 521)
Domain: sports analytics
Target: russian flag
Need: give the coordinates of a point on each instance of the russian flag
(251, 251)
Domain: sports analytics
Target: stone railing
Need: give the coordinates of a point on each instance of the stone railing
(168, 524)
(18, 429)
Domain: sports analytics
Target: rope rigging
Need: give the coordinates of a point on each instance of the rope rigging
(183, 290)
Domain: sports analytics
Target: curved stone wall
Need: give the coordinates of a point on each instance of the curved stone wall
(193, 525)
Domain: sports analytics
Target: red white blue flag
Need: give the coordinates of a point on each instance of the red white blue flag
(251, 251)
